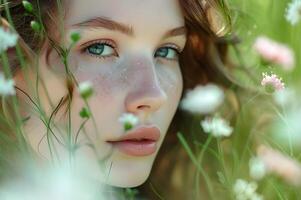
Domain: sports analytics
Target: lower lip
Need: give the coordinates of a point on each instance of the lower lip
(136, 148)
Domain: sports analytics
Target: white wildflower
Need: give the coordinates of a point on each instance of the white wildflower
(203, 99)
(293, 12)
(85, 89)
(6, 86)
(216, 126)
(245, 190)
(284, 97)
(51, 184)
(128, 120)
(257, 168)
(286, 131)
(7, 39)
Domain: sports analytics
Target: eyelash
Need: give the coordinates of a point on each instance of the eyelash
(109, 43)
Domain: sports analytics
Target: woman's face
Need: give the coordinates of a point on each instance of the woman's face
(128, 51)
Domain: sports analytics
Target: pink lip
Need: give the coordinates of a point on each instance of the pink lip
(141, 141)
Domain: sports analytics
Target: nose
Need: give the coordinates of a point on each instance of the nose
(146, 95)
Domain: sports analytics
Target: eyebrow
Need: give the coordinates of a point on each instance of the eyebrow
(102, 22)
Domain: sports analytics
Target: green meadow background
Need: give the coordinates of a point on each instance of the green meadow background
(253, 18)
(228, 160)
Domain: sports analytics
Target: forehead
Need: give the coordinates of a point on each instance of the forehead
(140, 14)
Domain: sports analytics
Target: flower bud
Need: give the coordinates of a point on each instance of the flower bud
(35, 26)
(85, 89)
(85, 113)
(75, 37)
(28, 6)
(128, 120)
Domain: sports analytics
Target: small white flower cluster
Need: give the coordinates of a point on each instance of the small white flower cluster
(85, 89)
(128, 120)
(7, 39)
(245, 190)
(6, 86)
(293, 12)
(203, 99)
(216, 126)
(257, 168)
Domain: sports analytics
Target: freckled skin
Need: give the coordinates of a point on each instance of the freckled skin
(122, 83)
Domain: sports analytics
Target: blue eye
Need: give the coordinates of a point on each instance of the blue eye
(167, 52)
(101, 49)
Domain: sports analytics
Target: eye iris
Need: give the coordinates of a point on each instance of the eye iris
(162, 52)
(96, 49)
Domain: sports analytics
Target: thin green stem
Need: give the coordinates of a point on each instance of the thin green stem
(222, 159)
(69, 132)
(194, 160)
(92, 117)
(199, 160)
(289, 129)
(78, 131)
(156, 192)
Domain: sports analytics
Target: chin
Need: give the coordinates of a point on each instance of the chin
(130, 172)
(127, 182)
(120, 170)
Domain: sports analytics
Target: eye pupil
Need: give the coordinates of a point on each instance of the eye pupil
(96, 49)
(162, 52)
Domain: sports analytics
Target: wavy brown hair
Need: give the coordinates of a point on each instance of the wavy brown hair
(202, 60)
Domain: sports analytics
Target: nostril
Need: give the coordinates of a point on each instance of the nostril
(143, 107)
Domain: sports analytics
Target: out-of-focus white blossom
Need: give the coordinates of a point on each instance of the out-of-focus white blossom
(287, 128)
(203, 99)
(257, 168)
(275, 52)
(293, 12)
(284, 97)
(216, 126)
(56, 184)
(7, 39)
(245, 190)
(6, 86)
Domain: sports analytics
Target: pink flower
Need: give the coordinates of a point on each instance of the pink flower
(275, 52)
(280, 164)
(272, 81)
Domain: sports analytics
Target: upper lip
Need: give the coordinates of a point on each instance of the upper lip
(140, 133)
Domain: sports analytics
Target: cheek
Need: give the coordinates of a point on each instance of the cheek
(107, 78)
(170, 78)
